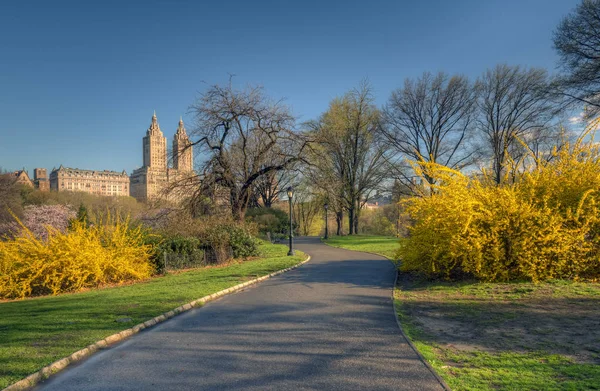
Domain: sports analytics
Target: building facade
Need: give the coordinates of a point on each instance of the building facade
(22, 177)
(105, 183)
(155, 178)
(40, 179)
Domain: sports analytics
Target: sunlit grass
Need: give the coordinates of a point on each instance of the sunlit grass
(498, 336)
(386, 246)
(505, 336)
(35, 332)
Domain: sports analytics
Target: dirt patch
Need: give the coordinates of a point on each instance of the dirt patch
(554, 318)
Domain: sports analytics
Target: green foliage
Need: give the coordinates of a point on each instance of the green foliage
(222, 236)
(181, 244)
(269, 220)
(375, 222)
(82, 217)
(177, 252)
(232, 235)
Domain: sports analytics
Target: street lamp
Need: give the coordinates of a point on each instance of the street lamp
(290, 193)
(326, 225)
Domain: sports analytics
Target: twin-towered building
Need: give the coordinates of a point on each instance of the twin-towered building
(147, 182)
(155, 177)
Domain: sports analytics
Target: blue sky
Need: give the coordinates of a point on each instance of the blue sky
(79, 80)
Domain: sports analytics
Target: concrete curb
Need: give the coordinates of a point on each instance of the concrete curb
(421, 357)
(57, 366)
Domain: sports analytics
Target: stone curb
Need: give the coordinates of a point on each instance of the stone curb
(57, 366)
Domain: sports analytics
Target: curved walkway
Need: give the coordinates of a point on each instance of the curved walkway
(328, 325)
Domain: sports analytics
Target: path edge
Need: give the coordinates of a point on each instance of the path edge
(59, 365)
(395, 309)
(440, 380)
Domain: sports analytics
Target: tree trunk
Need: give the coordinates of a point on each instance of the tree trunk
(356, 215)
(351, 220)
(237, 211)
(239, 205)
(339, 219)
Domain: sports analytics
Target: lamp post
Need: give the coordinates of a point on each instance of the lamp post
(326, 225)
(290, 193)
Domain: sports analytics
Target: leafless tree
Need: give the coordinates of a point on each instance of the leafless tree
(514, 103)
(577, 40)
(271, 186)
(244, 136)
(430, 120)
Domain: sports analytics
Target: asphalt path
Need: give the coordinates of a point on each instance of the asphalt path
(328, 325)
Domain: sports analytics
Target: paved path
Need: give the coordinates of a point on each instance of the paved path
(328, 325)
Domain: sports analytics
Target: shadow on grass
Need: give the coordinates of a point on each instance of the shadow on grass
(504, 317)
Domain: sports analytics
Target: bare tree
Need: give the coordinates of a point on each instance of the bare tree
(245, 136)
(577, 40)
(430, 120)
(513, 104)
(271, 186)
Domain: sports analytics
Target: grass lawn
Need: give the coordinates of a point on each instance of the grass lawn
(505, 336)
(499, 336)
(35, 332)
(382, 245)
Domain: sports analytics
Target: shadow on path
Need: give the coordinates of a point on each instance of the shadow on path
(326, 325)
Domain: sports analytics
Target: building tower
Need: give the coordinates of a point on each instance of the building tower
(155, 147)
(148, 181)
(182, 150)
(40, 179)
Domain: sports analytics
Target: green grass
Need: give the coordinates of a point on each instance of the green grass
(35, 332)
(505, 336)
(382, 245)
(498, 336)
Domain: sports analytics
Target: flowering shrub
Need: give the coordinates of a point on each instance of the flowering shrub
(545, 224)
(38, 217)
(112, 252)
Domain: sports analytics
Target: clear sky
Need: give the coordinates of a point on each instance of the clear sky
(79, 80)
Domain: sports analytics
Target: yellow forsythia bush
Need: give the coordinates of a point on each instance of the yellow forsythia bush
(545, 224)
(111, 252)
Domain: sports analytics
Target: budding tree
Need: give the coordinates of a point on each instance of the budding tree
(349, 158)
